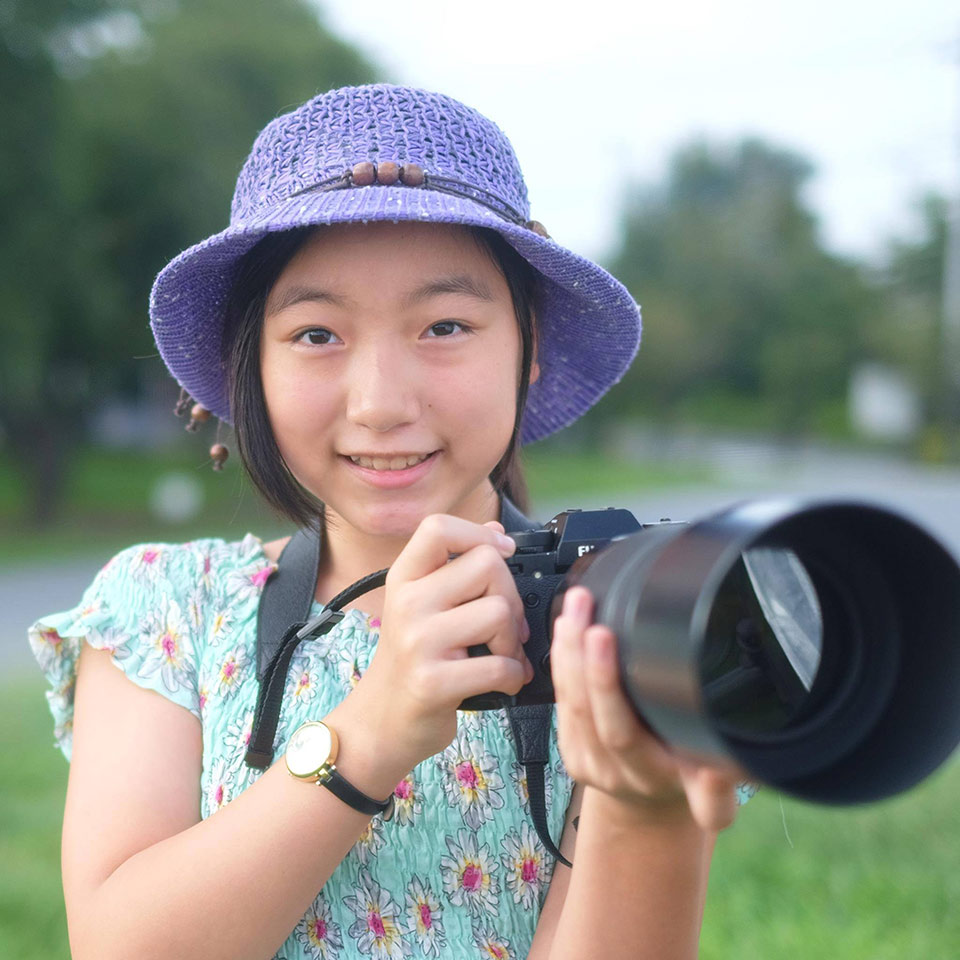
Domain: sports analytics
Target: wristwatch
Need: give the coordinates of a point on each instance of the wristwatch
(311, 754)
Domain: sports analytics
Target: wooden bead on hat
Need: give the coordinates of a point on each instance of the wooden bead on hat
(183, 403)
(198, 414)
(538, 228)
(411, 174)
(364, 173)
(218, 454)
(388, 173)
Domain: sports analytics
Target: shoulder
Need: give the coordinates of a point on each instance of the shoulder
(274, 548)
(145, 572)
(157, 560)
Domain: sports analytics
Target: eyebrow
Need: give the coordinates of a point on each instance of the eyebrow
(458, 283)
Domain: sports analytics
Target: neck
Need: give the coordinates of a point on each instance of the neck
(349, 554)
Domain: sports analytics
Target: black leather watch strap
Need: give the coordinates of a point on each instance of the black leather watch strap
(352, 797)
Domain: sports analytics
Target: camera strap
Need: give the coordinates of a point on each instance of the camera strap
(289, 592)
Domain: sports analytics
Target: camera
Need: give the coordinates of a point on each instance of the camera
(814, 644)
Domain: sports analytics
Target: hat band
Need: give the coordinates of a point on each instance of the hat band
(389, 173)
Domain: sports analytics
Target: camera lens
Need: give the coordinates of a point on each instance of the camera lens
(763, 641)
(815, 645)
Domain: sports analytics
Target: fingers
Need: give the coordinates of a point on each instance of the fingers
(477, 675)
(488, 620)
(615, 724)
(711, 797)
(574, 717)
(613, 716)
(480, 571)
(440, 535)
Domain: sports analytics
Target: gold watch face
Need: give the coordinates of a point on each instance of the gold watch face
(311, 748)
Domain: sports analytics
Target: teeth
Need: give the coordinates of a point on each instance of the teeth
(395, 463)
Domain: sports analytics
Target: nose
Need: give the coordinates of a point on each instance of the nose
(382, 391)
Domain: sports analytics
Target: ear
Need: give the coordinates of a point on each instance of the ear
(534, 366)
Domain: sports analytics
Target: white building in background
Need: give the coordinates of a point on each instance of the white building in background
(883, 405)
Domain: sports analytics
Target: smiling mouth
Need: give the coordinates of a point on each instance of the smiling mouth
(391, 463)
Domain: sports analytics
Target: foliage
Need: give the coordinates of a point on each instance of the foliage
(741, 298)
(131, 121)
(912, 324)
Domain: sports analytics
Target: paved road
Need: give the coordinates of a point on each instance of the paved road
(931, 497)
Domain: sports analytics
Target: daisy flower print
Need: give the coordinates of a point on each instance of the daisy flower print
(316, 932)
(524, 865)
(406, 800)
(231, 671)
(422, 918)
(468, 874)
(149, 564)
(492, 945)
(169, 651)
(301, 681)
(471, 780)
(377, 928)
(237, 738)
(370, 841)
(219, 790)
(518, 775)
(220, 624)
(248, 583)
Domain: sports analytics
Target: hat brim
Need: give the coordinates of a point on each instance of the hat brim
(589, 325)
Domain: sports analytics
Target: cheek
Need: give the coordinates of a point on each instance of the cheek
(299, 408)
(481, 406)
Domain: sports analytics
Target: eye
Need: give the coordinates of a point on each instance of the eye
(317, 336)
(445, 328)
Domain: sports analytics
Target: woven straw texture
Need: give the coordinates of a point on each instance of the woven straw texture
(589, 325)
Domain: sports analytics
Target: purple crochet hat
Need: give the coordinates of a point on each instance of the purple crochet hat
(385, 152)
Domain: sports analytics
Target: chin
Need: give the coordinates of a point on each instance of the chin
(395, 520)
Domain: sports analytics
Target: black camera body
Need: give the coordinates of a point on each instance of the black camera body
(541, 569)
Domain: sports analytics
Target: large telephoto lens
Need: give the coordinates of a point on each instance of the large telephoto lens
(817, 646)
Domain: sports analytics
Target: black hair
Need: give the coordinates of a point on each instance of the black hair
(257, 272)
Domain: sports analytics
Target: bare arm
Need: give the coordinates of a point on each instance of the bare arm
(144, 876)
(637, 888)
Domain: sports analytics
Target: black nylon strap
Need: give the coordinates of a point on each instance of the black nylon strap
(531, 731)
(269, 699)
(288, 594)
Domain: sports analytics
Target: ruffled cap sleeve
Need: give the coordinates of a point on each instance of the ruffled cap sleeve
(145, 607)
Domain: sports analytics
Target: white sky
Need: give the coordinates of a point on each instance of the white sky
(598, 90)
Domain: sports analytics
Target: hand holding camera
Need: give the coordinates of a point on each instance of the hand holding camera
(435, 610)
(605, 744)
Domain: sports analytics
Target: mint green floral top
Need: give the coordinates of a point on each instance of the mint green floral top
(457, 872)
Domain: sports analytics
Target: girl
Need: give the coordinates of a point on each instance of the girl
(384, 326)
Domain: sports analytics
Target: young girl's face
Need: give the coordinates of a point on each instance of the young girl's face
(385, 341)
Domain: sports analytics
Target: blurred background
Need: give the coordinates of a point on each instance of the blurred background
(778, 188)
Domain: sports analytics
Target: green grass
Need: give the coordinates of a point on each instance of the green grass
(33, 779)
(870, 883)
(106, 506)
(553, 473)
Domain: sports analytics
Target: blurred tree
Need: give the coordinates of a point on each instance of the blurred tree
(747, 316)
(121, 147)
(912, 331)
